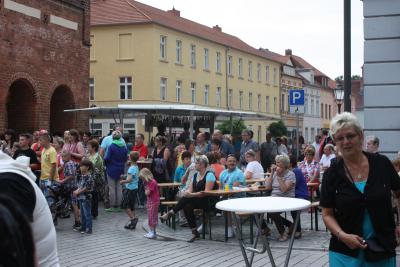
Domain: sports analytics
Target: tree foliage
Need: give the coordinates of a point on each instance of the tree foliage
(277, 129)
(237, 127)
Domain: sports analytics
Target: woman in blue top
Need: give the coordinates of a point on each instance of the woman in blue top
(301, 191)
(115, 161)
(194, 198)
(356, 200)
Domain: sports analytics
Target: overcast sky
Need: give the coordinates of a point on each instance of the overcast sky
(313, 29)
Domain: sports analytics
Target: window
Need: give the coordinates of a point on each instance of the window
(275, 77)
(125, 46)
(317, 108)
(163, 47)
(240, 68)
(250, 70)
(329, 111)
(178, 88)
(193, 92)
(283, 103)
(178, 58)
(91, 88)
(125, 87)
(230, 65)
(240, 100)
(230, 95)
(218, 62)
(326, 111)
(322, 110)
(267, 109)
(306, 105)
(259, 102)
(206, 92)
(312, 133)
(267, 74)
(193, 56)
(218, 100)
(275, 99)
(312, 106)
(250, 101)
(259, 72)
(206, 59)
(163, 89)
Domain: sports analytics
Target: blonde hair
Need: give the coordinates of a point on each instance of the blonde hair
(344, 120)
(146, 175)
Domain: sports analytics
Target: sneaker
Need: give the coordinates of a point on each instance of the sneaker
(218, 214)
(118, 210)
(283, 238)
(184, 224)
(76, 226)
(200, 228)
(88, 232)
(150, 235)
(82, 231)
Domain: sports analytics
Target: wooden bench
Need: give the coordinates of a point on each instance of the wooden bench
(168, 205)
(314, 208)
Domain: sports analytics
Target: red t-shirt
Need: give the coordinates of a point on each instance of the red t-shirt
(142, 150)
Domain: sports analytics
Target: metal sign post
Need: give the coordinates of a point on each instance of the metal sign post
(296, 102)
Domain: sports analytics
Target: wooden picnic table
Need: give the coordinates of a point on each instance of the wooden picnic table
(146, 163)
(169, 185)
(221, 192)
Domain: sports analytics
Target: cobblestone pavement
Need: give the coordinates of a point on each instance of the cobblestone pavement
(112, 245)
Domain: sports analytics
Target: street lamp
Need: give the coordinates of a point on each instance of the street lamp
(339, 95)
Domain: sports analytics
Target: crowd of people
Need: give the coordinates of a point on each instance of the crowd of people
(107, 170)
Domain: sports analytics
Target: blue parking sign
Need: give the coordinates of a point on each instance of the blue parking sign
(296, 97)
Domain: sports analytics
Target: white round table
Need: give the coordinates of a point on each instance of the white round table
(259, 206)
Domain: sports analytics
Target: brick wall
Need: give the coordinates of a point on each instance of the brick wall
(42, 57)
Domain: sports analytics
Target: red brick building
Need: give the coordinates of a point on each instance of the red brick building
(44, 64)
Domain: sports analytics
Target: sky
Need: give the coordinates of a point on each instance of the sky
(313, 29)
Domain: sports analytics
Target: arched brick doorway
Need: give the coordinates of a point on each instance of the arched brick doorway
(21, 107)
(61, 99)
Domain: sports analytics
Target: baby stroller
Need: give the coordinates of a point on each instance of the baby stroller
(59, 201)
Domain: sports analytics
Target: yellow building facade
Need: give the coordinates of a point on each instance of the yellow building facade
(152, 63)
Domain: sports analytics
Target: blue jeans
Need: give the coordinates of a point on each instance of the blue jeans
(86, 214)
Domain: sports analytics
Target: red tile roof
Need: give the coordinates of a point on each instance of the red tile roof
(109, 12)
(304, 64)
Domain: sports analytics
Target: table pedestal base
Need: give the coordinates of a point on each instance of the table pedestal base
(264, 241)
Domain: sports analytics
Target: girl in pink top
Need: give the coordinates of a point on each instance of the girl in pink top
(153, 200)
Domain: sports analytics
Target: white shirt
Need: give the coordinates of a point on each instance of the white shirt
(255, 168)
(282, 150)
(44, 233)
(326, 160)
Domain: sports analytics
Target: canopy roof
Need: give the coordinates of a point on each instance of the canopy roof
(173, 110)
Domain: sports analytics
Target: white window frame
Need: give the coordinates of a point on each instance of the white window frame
(163, 88)
(267, 73)
(193, 55)
(218, 62)
(91, 88)
(163, 47)
(250, 101)
(259, 72)
(218, 97)
(193, 92)
(206, 94)
(126, 86)
(178, 58)
(275, 77)
(267, 104)
(240, 67)
(241, 100)
(250, 70)
(178, 90)
(206, 58)
(229, 59)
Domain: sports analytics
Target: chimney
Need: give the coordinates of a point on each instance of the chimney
(174, 12)
(217, 28)
(288, 52)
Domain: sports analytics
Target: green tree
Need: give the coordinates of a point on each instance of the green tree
(277, 129)
(237, 127)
